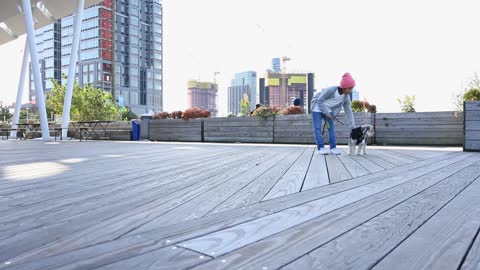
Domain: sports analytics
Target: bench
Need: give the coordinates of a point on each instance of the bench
(85, 133)
(109, 134)
(7, 132)
(57, 131)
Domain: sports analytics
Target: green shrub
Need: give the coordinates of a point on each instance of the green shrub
(265, 112)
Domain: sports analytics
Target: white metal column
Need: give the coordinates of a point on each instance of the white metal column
(77, 27)
(21, 84)
(27, 9)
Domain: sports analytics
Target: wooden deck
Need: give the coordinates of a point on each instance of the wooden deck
(112, 205)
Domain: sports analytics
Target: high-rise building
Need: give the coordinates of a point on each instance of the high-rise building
(276, 65)
(279, 89)
(235, 95)
(48, 41)
(244, 83)
(355, 95)
(203, 95)
(310, 90)
(263, 92)
(95, 58)
(120, 51)
(138, 58)
(284, 88)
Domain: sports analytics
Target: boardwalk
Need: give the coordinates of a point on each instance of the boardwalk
(107, 205)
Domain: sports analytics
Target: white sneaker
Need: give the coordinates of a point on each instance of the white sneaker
(335, 151)
(323, 151)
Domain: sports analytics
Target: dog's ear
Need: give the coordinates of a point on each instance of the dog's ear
(357, 129)
(356, 133)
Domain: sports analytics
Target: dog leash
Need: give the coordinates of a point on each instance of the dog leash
(334, 118)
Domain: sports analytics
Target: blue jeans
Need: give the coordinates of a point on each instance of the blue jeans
(317, 130)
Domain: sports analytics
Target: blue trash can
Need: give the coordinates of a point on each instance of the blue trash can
(135, 130)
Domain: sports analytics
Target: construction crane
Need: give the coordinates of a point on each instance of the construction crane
(284, 63)
(215, 76)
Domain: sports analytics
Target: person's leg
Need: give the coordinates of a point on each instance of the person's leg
(332, 141)
(317, 129)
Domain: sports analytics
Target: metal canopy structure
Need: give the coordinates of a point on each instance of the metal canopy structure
(18, 17)
(45, 12)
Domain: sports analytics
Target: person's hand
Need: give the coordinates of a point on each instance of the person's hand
(329, 116)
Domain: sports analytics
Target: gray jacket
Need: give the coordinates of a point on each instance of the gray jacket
(329, 103)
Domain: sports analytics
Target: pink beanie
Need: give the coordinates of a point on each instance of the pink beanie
(347, 81)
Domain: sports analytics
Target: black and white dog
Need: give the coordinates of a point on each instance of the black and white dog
(358, 137)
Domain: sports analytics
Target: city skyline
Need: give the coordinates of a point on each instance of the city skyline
(391, 49)
(120, 52)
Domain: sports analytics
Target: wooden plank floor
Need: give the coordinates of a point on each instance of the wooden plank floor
(125, 205)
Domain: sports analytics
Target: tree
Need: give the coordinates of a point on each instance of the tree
(88, 103)
(471, 92)
(372, 108)
(127, 114)
(292, 110)
(362, 106)
(5, 115)
(23, 115)
(407, 104)
(245, 106)
(265, 112)
(358, 106)
(472, 95)
(194, 112)
(97, 104)
(458, 100)
(56, 98)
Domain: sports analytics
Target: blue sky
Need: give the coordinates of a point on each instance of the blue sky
(425, 48)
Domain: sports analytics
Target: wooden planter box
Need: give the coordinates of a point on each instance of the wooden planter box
(472, 126)
(177, 130)
(238, 129)
(424, 128)
(295, 128)
(118, 131)
(429, 128)
(299, 128)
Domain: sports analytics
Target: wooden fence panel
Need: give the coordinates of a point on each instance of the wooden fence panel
(238, 129)
(472, 126)
(429, 128)
(175, 130)
(422, 128)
